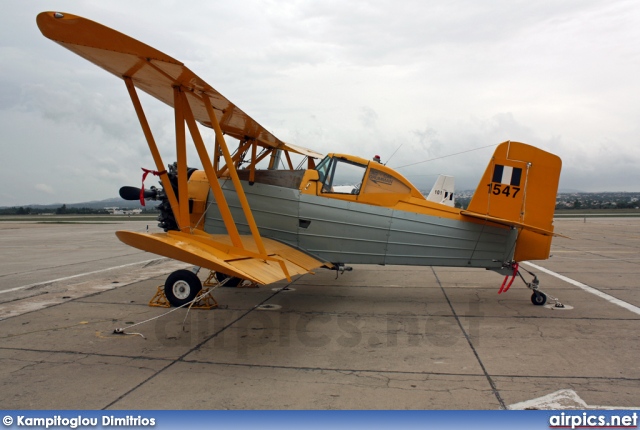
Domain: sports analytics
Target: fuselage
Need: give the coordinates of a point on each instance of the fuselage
(366, 214)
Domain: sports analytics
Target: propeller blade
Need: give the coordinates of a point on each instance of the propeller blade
(133, 193)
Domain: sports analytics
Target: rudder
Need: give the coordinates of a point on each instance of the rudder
(520, 185)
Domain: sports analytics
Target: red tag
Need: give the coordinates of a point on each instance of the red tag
(144, 176)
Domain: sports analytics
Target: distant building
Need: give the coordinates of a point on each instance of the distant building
(114, 210)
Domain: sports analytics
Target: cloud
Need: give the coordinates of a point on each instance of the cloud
(47, 189)
(429, 77)
(368, 117)
(72, 103)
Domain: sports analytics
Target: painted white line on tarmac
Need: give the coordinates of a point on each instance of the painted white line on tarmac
(78, 276)
(588, 289)
(562, 399)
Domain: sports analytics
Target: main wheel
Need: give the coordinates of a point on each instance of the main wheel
(181, 287)
(538, 298)
(233, 282)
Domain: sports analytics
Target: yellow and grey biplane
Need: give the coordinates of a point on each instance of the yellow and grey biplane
(265, 225)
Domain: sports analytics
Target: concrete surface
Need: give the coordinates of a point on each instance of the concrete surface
(376, 338)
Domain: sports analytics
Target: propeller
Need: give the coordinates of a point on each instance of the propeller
(133, 193)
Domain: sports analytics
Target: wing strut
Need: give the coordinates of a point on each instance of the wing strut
(182, 104)
(180, 203)
(168, 80)
(173, 201)
(181, 155)
(234, 175)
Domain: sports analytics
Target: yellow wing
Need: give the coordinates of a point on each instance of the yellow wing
(154, 73)
(216, 252)
(167, 79)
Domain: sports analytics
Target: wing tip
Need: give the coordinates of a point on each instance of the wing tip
(69, 29)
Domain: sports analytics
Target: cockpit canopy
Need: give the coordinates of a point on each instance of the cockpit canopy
(345, 174)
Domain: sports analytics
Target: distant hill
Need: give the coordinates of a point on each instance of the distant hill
(568, 191)
(565, 198)
(94, 204)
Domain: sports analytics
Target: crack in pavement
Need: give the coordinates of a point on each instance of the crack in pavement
(494, 389)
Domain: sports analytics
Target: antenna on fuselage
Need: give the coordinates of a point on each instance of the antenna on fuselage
(394, 153)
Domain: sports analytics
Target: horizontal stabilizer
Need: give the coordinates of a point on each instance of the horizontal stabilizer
(512, 223)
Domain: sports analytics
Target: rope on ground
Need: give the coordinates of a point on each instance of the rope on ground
(196, 299)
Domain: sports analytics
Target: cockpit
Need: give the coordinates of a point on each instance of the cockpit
(343, 175)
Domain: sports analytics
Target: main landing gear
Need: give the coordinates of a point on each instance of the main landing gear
(538, 298)
(183, 286)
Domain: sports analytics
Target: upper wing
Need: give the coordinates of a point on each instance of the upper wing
(154, 73)
(248, 257)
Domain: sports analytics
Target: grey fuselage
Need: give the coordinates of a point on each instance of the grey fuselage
(339, 231)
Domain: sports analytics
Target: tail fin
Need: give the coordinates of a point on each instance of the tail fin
(519, 189)
(442, 191)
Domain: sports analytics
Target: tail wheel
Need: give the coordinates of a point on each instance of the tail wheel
(181, 287)
(538, 298)
(233, 282)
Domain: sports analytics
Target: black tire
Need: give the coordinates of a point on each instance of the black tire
(181, 287)
(233, 282)
(538, 298)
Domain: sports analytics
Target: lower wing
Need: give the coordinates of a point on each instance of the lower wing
(216, 252)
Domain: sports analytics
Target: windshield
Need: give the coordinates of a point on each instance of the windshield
(323, 167)
(341, 176)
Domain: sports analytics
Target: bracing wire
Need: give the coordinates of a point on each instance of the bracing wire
(445, 156)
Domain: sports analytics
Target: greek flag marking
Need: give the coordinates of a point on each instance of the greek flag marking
(508, 175)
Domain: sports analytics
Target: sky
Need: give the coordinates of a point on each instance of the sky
(412, 81)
